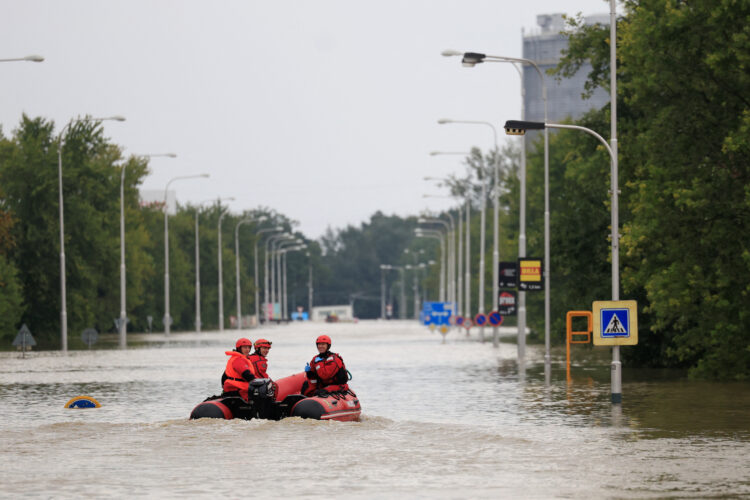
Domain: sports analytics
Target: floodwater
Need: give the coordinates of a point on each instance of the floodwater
(440, 420)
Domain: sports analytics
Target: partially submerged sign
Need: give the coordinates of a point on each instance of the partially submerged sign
(24, 338)
(89, 336)
(615, 322)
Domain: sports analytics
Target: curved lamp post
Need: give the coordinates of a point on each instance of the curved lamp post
(167, 317)
(63, 297)
(237, 262)
(496, 219)
(122, 327)
(471, 59)
(255, 254)
(518, 127)
(198, 322)
(467, 265)
(31, 58)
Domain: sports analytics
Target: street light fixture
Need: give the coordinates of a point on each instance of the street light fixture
(122, 327)
(255, 254)
(198, 322)
(471, 59)
(237, 262)
(167, 317)
(31, 58)
(496, 223)
(63, 298)
(519, 127)
(467, 275)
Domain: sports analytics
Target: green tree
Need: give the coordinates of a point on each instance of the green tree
(684, 93)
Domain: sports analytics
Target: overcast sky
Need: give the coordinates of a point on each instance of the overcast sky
(324, 110)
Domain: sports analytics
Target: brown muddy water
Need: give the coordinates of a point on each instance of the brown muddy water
(440, 420)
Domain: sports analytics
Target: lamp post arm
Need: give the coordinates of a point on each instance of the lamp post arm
(588, 131)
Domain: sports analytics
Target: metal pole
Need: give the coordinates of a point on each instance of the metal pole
(167, 318)
(402, 302)
(616, 364)
(467, 279)
(63, 299)
(382, 293)
(521, 337)
(123, 318)
(221, 277)
(310, 290)
(197, 275)
(284, 311)
(459, 292)
(237, 269)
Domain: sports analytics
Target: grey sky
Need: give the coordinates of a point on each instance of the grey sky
(322, 110)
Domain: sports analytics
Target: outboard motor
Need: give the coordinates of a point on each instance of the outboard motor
(261, 395)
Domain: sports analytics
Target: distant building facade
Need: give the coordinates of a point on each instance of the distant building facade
(544, 46)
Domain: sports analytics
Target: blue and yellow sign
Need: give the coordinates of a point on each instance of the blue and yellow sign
(615, 322)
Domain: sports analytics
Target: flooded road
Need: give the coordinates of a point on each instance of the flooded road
(450, 420)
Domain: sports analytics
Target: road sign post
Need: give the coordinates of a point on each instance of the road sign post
(615, 324)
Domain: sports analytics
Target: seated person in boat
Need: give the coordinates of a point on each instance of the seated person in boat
(326, 371)
(258, 358)
(239, 371)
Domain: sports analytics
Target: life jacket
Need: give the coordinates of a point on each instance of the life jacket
(260, 364)
(330, 371)
(233, 381)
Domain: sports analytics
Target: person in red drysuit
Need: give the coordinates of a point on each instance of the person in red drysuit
(326, 371)
(258, 358)
(239, 371)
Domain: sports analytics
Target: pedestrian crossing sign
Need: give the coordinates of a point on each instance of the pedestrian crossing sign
(615, 322)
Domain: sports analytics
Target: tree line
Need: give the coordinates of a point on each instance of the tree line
(684, 146)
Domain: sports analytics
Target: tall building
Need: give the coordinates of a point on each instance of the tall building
(544, 46)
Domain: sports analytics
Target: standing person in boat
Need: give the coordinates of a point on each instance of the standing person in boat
(326, 371)
(239, 371)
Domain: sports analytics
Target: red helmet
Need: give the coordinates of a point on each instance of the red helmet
(323, 339)
(243, 341)
(262, 343)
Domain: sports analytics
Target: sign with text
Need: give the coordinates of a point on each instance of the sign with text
(530, 275)
(506, 303)
(508, 275)
(436, 313)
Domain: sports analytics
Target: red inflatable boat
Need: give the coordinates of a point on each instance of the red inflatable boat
(274, 401)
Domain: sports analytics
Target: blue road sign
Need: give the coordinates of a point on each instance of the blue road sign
(480, 320)
(437, 313)
(615, 323)
(495, 318)
(459, 320)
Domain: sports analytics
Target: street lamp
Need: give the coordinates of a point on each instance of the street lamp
(450, 268)
(496, 221)
(438, 235)
(285, 295)
(255, 254)
(198, 265)
(467, 276)
(222, 213)
(402, 301)
(237, 262)
(31, 58)
(471, 59)
(518, 127)
(63, 297)
(457, 274)
(167, 317)
(122, 327)
(270, 292)
(277, 257)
